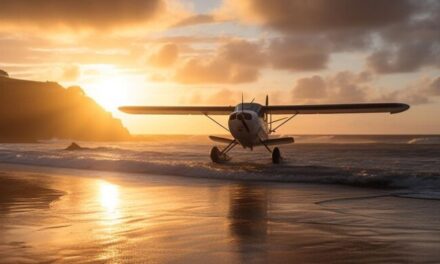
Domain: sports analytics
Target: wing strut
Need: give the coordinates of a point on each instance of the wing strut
(215, 121)
(285, 121)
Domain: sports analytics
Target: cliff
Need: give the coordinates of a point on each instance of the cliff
(31, 111)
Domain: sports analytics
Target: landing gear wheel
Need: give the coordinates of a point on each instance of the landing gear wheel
(276, 156)
(217, 156)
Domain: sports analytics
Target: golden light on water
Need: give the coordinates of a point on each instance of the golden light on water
(109, 198)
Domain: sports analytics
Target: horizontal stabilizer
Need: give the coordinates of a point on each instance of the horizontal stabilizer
(221, 139)
(279, 141)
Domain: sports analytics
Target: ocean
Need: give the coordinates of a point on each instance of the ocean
(334, 199)
(411, 162)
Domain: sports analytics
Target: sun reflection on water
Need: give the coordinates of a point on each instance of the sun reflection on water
(109, 199)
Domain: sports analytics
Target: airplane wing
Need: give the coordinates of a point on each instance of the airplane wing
(221, 139)
(391, 108)
(178, 110)
(278, 141)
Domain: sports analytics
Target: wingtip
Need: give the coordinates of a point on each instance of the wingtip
(124, 109)
(402, 108)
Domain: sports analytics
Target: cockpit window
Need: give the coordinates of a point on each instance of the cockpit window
(249, 106)
(247, 116)
(233, 117)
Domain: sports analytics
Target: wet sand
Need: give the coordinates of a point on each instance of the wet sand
(63, 215)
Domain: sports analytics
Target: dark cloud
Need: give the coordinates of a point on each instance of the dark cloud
(298, 54)
(165, 56)
(310, 88)
(237, 61)
(409, 46)
(79, 13)
(399, 35)
(344, 86)
(324, 15)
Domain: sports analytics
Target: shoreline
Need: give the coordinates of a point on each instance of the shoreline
(70, 215)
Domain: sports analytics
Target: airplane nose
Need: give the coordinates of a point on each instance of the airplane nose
(243, 122)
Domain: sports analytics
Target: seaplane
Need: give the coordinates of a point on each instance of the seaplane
(251, 124)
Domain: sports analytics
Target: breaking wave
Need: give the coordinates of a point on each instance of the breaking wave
(425, 140)
(371, 165)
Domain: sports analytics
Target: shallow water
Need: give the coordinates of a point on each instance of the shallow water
(370, 161)
(64, 215)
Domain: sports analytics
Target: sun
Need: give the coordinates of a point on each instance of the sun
(110, 91)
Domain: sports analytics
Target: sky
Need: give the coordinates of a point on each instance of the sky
(209, 52)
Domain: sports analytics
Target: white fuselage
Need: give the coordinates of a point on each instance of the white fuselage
(248, 128)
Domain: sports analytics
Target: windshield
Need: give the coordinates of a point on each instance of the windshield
(249, 106)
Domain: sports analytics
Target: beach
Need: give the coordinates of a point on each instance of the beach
(88, 216)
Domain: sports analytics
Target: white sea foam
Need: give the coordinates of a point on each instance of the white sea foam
(367, 165)
(425, 140)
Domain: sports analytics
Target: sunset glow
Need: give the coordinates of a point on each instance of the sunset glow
(167, 52)
(109, 90)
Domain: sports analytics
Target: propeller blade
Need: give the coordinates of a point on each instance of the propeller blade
(245, 125)
(267, 104)
(242, 102)
(241, 118)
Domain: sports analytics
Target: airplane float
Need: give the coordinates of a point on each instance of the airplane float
(250, 124)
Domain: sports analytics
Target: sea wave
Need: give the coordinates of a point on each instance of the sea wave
(425, 140)
(185, 164)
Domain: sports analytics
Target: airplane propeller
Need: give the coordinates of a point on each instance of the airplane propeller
(268, 115)
(241, 118)
(241, 115)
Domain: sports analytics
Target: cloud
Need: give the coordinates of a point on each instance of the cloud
(350, 87)
(94, 14)
(216, 70)
(409, 46)
(237, 61)
(341, 87)
(298, 54)
(434, 87)
(422, 91)
(225, 96)
(61, 73)
(70, 73)
(320, 15)
(310, 88)
(165, 56)
(398, 35)
(196, 20)
(240, 51)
